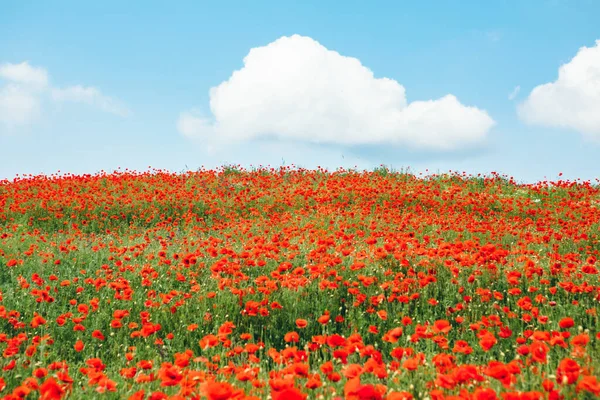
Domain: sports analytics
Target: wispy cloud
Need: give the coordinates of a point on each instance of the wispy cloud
(27, 88)
(24, 73)
(493, 36)
(18, 106)
(20, 95)
(92, 96)
(513, 95)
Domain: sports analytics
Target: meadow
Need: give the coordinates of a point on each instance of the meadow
(292, 284)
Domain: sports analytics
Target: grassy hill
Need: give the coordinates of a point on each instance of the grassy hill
(292, 283)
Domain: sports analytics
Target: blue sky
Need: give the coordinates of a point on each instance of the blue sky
(90, 86)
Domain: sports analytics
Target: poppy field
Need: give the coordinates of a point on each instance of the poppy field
(298, 284)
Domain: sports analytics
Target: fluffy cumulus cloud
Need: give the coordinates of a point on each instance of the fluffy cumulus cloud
(24, 89)
(296, 89)
(573, 100)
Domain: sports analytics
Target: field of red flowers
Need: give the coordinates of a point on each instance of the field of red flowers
(295, 284)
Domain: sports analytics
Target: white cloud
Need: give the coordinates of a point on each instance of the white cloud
(27, 89)
(513, 95)
(296, 89)
(190, 123)
(573, 100)
(24, 74)
(91, 96)
(18, 106)
(494, 36)
(20, 96)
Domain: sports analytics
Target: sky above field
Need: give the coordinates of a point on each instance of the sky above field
(511, 87)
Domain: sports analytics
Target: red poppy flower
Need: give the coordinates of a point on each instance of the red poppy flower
(98, 335)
